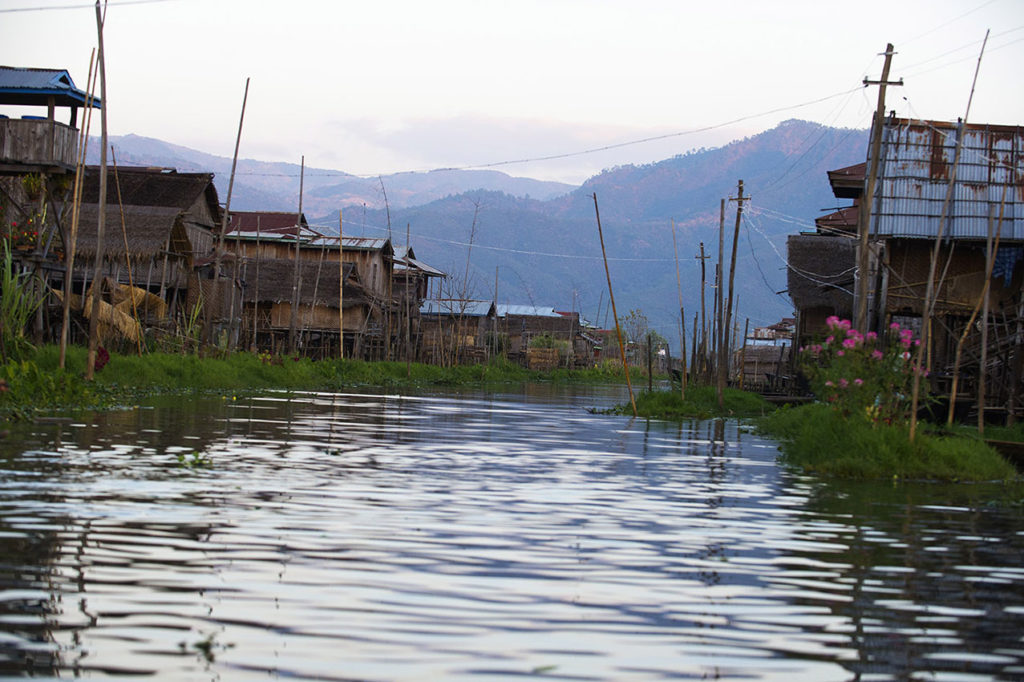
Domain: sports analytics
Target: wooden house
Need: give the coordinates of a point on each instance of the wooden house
(38, 143)
(455, 331)
(160, 225)
(913, 200)
(270, 290)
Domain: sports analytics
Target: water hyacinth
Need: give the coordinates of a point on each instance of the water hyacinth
(862, 375)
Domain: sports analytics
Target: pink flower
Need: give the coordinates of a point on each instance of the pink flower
(843, 383)
(907, 333)
(871, 336)
(829, 340)
(877, 355)
(894, 325)
(829, 384)
(850, 343)
(832, 321)
(858, 382)
(840, 353)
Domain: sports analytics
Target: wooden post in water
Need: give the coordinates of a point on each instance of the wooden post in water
(615, 314)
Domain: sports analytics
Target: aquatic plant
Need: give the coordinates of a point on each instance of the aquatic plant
(701, 403)
(19, 300)
(862, 375)
(819, 438)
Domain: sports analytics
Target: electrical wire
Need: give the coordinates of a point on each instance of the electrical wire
(112, 3)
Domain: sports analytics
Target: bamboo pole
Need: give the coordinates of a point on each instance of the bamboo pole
(719, 307)
(256, 293)
(296, 282)
(615, 314)
(76, 200)
(929, 303)
(94, 318)
(990, 248)
(127, 252)
(218, 252)
(341, 289)
(682, 319)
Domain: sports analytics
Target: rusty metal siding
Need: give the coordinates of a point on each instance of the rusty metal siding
(914, 170)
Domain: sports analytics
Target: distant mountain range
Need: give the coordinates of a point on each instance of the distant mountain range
(274, 186)
(541, 237)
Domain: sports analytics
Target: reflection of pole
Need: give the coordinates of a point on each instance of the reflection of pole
(611, 297)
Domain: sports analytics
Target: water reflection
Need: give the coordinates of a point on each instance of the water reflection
(367, 536)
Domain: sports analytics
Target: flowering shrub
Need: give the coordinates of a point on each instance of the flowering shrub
(862, 374)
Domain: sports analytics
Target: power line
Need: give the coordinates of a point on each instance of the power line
(110, 3)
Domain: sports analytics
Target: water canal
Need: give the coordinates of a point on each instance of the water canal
(487, 537)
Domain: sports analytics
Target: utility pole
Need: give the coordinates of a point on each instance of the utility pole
(724, 360)
(97, 282)
(866, 201)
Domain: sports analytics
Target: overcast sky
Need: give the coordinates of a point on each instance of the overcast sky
(381, 86)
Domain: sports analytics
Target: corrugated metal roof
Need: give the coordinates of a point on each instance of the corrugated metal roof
(525, 310)
(265, 221)
(367, 243)
(32, 86)
(467, 308)
(916, 164)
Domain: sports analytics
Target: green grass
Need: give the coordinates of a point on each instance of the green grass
(37, 384)
(701, 403)
(817, 438)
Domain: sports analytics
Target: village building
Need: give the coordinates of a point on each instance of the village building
(911, 202)
(455, 331)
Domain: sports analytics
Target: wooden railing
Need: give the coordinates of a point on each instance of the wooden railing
(37, 142)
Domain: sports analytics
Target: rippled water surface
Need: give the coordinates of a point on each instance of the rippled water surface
(493, 537)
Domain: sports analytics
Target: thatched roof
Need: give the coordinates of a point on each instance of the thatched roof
(148, 229)
(155, 187)
(276, 276)
(821, 271)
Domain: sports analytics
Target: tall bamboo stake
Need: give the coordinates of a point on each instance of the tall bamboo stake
(341, 289)
(991, 247)
(218, 253)
(929, 296)
(127, 251)
(94, 318)
(615, 314)
(682, 320)
(719, 306)
(296, 281)
(76, 197)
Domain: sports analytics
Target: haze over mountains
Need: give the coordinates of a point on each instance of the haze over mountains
(542, 236)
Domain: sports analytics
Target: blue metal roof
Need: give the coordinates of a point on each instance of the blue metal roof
(31, 86)
(464, 307)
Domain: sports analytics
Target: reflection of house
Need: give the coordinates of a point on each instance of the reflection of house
(915, 168)
(455, 331)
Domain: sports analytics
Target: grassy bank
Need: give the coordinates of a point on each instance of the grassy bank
(37, 384)
(817, 438)
(701, 403)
